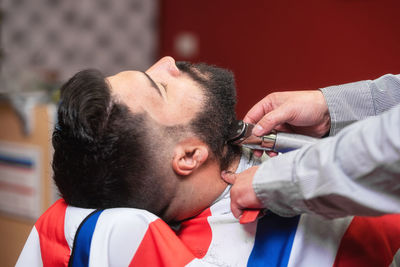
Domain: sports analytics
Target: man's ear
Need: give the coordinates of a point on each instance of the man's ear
(188, 156)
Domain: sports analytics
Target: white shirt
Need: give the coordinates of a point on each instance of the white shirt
(356, 172)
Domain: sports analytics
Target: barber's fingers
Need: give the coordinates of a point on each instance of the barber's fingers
(273, 119)
(258, 110)
(272, 154)
(242, 192)
(258, 153)
(236, 210)
(228, 177)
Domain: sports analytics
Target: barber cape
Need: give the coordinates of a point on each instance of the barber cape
(133, 237)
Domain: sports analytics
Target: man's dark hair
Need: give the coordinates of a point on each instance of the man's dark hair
(100, 156)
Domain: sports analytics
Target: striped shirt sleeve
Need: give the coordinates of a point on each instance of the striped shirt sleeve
(351, 102)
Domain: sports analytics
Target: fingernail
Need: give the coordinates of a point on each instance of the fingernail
(258, 130)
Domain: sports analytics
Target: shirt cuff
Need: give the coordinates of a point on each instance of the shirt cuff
(276, 188)
(348, 103)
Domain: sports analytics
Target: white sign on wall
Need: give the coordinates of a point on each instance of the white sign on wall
(20, 170)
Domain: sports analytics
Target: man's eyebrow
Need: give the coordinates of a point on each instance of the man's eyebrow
(153, 83)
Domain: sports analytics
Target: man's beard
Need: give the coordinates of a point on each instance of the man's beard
(213, 123)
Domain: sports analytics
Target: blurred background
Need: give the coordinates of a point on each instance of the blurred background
(269, 45)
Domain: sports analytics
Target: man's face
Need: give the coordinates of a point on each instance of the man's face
(166, 94)
(200, 100)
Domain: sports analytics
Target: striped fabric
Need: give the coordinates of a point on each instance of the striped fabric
(83, 240)
(352, 102)
(131, 237)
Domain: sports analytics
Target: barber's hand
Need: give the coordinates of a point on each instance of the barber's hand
(242, 192)
(303, 112)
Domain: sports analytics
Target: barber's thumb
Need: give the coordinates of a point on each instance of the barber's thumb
(269, 122)
(228, 177)
(236, 211)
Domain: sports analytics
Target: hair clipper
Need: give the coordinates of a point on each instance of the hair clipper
(274, 141)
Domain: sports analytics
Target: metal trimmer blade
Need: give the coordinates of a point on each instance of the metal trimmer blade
(240, 131)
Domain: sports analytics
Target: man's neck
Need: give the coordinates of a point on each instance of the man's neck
(235, 163)
(198, 193)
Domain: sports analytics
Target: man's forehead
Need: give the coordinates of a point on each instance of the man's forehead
(181, 101)
(124, 74)
(127, 80)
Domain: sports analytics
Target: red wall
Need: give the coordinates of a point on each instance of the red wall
(287, 45)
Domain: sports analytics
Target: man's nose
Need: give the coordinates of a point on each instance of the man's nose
(166, 64)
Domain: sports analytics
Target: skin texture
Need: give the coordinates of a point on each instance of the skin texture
(176, 99)
(303, 112)
(170, 97)
(242, 193)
